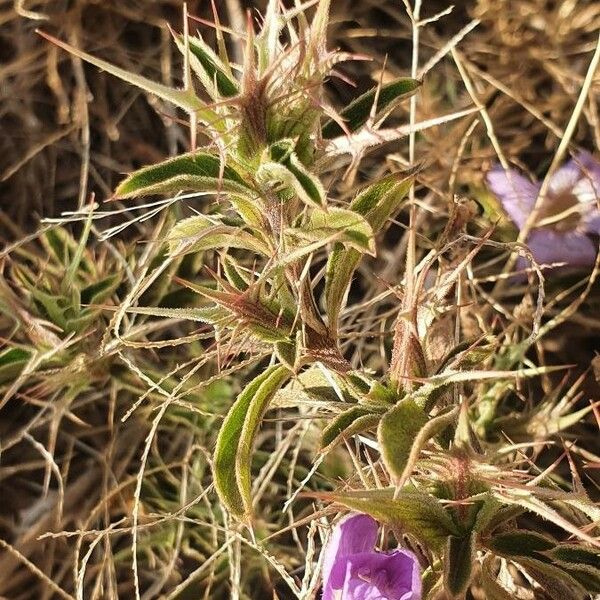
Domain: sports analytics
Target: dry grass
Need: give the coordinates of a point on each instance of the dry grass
(113, 437)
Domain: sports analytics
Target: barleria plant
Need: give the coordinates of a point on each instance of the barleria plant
(259, 261)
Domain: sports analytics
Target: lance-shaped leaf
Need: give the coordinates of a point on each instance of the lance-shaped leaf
(247, 310)
(520, 543)
(252, 421)
(213, 74)
(557, 583)
(200, 232)
(185, 99)
(344, 226)
(194, 172)
(12, 360)
(582, 563)
(382, 199)
(236, 439)
(294, 177)
(348, 423)
(358, 111)
(416, 513)
(458, 564)
(376, 203)
(211, 315)
(397, 430)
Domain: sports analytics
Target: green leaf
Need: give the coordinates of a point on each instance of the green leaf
(233, 450)
(344, 226)
(382, 199)
(346, 424)
(397, 430)
(211, 315)
(196, 172)
(376, 203)
(358, 111)
(458, 564)
(256, 409)
(185, 99)
(12, 360)
(558, 584)
(419, 514)
(582, 563)
(100, 290)
(294, 176)
(208, 67)
(341, 265)
(520, 543)
(578, 555)
(200, 232)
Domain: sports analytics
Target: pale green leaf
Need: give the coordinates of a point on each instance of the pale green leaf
(344, 226)
(419, 514)
(184, 99)
(396, 433)
(200, 232)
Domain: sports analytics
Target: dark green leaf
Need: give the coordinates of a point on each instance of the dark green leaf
(458, 564)
(12, 360)
(195, 172)
(520, 543)
(226, 450)
(209, 68)
(557, 583)
(100, 290)
(358, 111)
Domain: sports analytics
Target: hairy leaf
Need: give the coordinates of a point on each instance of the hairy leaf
(397, 430)
(208, 67)
(520, 543)
(358, 111)
(376, 203)
(227, 446)
(200, 232)
(420, 514)
(348, 423)
(294, 176)
(557, 583)
(343, 226)
(253, 417)
(197, 172)
(458, 564)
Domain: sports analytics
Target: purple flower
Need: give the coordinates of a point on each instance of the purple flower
(568, 216)
(354, 570)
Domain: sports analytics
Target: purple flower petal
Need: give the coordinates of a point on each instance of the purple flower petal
(382, 576)
(516, 193)
(354, 534)
(565, 179)
(591, 223)
(588, 164)
(573, 248)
